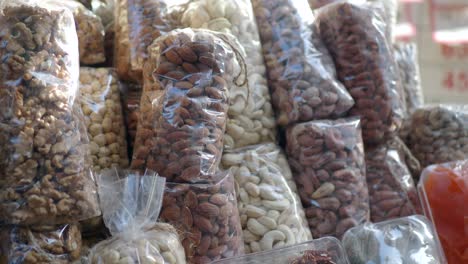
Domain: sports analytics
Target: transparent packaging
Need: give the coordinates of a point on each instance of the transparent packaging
(301, 73)
(409, 240)
(44, 160)
(327, 161)
(326, 250)
(391, 16)
(270, 210)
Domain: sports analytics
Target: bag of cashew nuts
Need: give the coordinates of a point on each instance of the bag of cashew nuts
(439, 133)
(355, 36)
(326, 250)
(43, 140)
(271, 212)
(100, 102)
(40, 245)
(327, 161)
(131, 105)
(409, 240)
(130, 204)
(206, 217)
(301, 73)
(250, 115)
(392, 192)
(184, 105)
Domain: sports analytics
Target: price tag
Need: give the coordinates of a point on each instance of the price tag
(449, 21)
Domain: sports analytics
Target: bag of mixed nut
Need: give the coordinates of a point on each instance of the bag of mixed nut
(43, 141)
(206, 217)
(184, 105)
(268, 206)
(301, 73)
(355, 36)
(131, 204)
(327, 161)
(40, 245)
(250, 116)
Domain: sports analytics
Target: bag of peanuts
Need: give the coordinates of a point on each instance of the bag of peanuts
(43, 140)
(392, 192)
(354, 34)
(40, 245)
(184, 105)
(326, 250)
(130, 205)
(409, 240)
(271, 212)
(206, 217)
(301, 73)
(131, 106)
(438, 133)
(327, 161)
(250, 115)
(101, 105)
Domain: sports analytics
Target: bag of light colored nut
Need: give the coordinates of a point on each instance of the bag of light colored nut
(250, 116)
(409, 240)
(130, 204)
(101, 105)
(40, 245)
(131, 103)
(271, 212)
(206, 217)
(326, 250)
(355, 37)
(392, 192)
(327, 161)
(184, 105)
(43, 140)
(439, 133)
(301, 73)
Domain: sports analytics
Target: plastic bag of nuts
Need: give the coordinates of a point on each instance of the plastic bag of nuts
(271, 213)
(392, 192)
(439, 133)
(327, 250)
(301, 73)
(40, 245)
(250, 116)
(355, 36)
(100, 102)
(131, 204)
(409, 240)
(184, 106)
(206, 217)
(131, 104)
(43, 145)
(327, 161)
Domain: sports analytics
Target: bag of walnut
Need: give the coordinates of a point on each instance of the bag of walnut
(43, 140)
(40, 245)
(131, 204)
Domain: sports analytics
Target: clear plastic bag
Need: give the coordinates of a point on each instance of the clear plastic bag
(250, 116)
(206, 217)
(131, 204)
(409, 240)
(271, 212)
(392, 192)
(327, 250)
(40, 245)
(439, 133)
(132, 97)
(43, 145)
(355, 36)
(105, 9)
(413, 164)
(327, 161)
(184, 106)
(301, 73)
(391, 14)
(101, 105)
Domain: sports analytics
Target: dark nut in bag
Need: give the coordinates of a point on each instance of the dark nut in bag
(327, 161)
(43, 141)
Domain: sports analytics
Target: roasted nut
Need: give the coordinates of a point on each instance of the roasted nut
(366, 66)
(210, 234)
(327, 162)
(301, 73)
